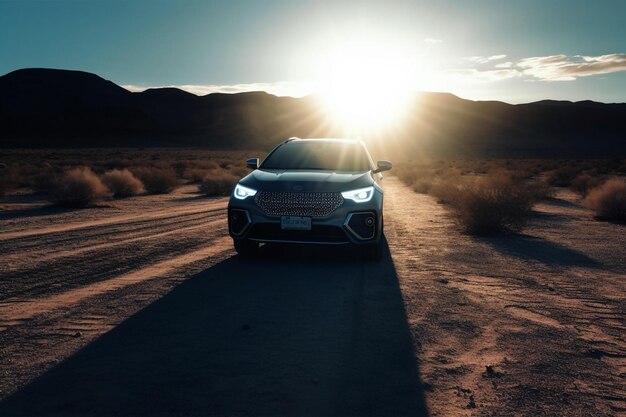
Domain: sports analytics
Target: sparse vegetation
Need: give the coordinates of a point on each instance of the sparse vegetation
(78, 187)
(584, 182)
(562, 176)
(195, 175)
(492, 204)
(5, 181)
(156, 171)
(122, 183)
(609, 200)
(486, 196)
(157, 180)
(218, 183)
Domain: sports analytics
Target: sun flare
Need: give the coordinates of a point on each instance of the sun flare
(366, 87)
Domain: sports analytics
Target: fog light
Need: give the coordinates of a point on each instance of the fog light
(362, 225)
(239, 220)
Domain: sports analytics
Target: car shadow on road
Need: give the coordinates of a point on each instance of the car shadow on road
(297, 331)
(537, 249)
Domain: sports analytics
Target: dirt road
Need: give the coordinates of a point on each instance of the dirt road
(142, 308)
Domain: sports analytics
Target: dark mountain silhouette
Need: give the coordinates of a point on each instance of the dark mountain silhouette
(60, 108)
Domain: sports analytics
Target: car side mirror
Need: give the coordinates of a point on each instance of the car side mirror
(253, 163)
(383, 166)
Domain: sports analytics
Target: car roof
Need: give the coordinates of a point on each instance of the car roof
(327, 140)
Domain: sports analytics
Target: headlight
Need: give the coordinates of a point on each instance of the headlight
(241, 192)
(362, 195)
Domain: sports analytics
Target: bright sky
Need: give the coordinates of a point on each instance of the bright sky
(514, 51)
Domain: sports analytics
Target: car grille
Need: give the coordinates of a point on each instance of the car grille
(277, 203)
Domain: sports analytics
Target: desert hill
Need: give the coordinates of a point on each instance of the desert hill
(61, 108)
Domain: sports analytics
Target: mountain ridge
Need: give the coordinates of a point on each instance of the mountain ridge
(59, 108)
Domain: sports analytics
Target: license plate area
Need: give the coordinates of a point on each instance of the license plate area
(295, 223)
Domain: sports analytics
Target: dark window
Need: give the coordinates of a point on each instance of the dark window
(325, 156)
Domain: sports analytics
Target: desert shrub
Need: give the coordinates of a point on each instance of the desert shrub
(537, 189)
(218, 183)
(122, 183)
(195, 174)
(6, 180)
(585, 182)
(45, 180)
(422, 186)
(4, 184)
(239, 172)
(492, 204)
(562, 176)
(609, 200)
(157, 180)
(207, 165)
(78, 187)
(445, 186)
(445, 191)
(179, 167)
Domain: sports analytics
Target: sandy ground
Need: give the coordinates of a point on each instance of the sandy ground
(141, 307)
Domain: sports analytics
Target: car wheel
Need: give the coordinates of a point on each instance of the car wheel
(246, 248)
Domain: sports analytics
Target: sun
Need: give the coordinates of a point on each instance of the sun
(366, 87)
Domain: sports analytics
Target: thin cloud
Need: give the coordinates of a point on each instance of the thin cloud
(432, 41)
(507, 64)
(474, 75)
(284, 88)
(484, 59)
(568, 68)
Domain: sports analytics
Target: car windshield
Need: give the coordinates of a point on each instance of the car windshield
(328, 156)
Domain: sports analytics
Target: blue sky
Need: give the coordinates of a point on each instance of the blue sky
(515, 51)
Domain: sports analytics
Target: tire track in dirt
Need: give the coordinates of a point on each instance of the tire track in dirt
(96, 253)
(41, 255)
(14, 312)
(75, 279)
(55, 239)
(148, 215)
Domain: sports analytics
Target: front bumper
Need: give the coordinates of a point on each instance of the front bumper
(351, 223)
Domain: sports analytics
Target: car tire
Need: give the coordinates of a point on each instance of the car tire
(245, 247)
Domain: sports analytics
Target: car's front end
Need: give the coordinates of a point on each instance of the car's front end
(310, 206)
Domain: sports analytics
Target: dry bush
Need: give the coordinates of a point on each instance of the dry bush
(445, 191)
(6, 180)
(538, 189)
(492, 204)
(78, 187)
(156, 180)
(122, 183)
(195, 174)
(562, 176)
(44, 181)
(179, 167)
(422, 186)
(445, 186)
(609, 200)
(4, 185)
(13, 177)
(218, 183)
(239, 172)
(583, 183)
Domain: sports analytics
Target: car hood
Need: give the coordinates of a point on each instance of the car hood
(306, 181)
